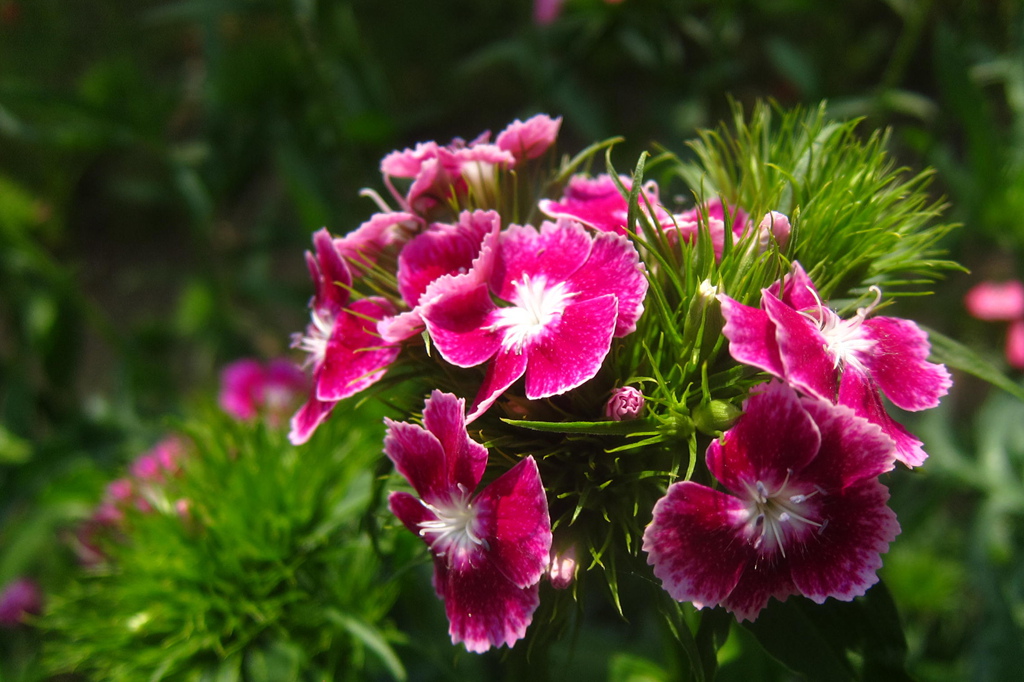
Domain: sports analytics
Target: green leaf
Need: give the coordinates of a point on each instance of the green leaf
(372, 638)
(608, 428)
(959, 356)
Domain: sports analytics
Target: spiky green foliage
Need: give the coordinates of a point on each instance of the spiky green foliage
(261, 573)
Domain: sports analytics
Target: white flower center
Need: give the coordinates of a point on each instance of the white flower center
(318, 333)
(776, 516)
(844, 339)
(535, 306)
(455, 530)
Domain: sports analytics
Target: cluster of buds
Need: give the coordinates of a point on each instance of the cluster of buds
(517, 296)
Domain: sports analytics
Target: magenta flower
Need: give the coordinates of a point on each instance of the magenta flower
(344, 348)
(625, 403)
(568, 293)
(249, 387)
(723, 223)
(802, 511)
(598, 203)
(992, 301)
(490, 549)
(19, 599)
(530, 138)
(850, 362)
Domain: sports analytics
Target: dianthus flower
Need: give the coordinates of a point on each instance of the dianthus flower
(568, 293)
(490, 549)
(598, 203)
(797, 338)
(248, 388)
(1004, 302)
(529, 139)
(803, 511)
(20, 598)
(344, 348)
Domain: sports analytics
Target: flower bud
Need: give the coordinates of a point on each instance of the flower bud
(715, 416)
(773, 227)
(626, 403)
(562, 569)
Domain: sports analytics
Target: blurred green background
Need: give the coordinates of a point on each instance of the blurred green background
(163, 165)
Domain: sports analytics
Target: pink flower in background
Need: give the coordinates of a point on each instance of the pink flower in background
(343, 346)
(1003, 302)
(490, 549)
(531, 138)
(625, 403)
(20, 598)
(851, 362)
(802, 510)
(567, 294)
(723, 223)
(598, 203)
(248, 388)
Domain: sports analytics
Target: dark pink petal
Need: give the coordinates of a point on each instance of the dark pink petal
(331, 277)
(530, 138)
(798, 291)
(763, 579)
(484, 609)
(843, 560)
(803, 349)
(751, 335)
(899, 364)
(695, 543)
(774, 437)
(420, 458)
(241, 382)
(514, 511)
(852, 448)
(444, 415)
(996, 301)
(555, 253)
(19, 598)
(356, 356)
(309, 416)
(595, 202)
(1015, 344)
(570, 352)
(858, 392)
(506, 368)
(365, 244)
(442, 250)
(410, 511)
(614, 268)
(459, 320)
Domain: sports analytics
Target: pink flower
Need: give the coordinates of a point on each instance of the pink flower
(563, 567)
(531, 138)
(19, 599)
(490, 549)
(994, 301)
(347, 354)
(598, 203)
(568, 293)
(248, 388)
(804, 512)
(626, 403)
(722, 223)
(850, 362)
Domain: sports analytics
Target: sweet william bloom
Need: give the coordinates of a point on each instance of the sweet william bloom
(248, 388)
(490, 549)
(625, 403)
(852, 362)
(598, 203)
(344, 349)
(993, 301)
(20, 598)
(802, 510)
(566, 294)
(530, 138)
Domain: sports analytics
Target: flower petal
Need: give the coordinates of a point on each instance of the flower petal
(458, 320)
(356, 356)
(844, 561)
(774, 437)
(751, 335)
(695, 544)
(762, 580)
(852, 448)
(571, 351)
(614, 268)
(858, 392)
(484, 609)
(420, 458)
(502, 373)
(899, 364)
(444, 415)
(554, 253)
(308, 417)
(514, 511)
(809, 366)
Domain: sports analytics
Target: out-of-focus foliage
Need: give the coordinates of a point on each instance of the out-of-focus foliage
(163, 163)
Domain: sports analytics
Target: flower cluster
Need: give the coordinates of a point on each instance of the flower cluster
(594, 336)
(250, 388)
